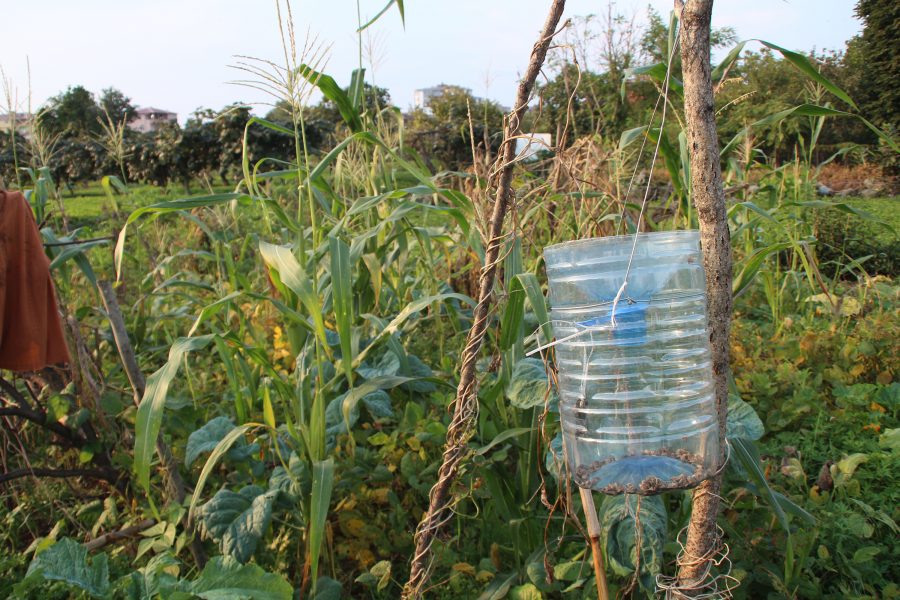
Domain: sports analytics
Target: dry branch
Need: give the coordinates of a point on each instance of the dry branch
(465, 409)
(114, 536)
(709, 199)
(111, 476)
(174, 482)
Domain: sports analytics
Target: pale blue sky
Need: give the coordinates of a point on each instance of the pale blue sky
(173, 54)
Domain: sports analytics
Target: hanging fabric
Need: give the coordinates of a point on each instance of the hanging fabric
(31, 336)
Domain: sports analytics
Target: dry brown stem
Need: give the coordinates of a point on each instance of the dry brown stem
(174, 482)
(465, 409)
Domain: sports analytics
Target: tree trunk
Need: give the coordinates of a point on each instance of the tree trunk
(709, 200)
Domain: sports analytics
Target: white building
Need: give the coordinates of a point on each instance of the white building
(423, 96)
(150, 119)
(17, 120)
(530, 144)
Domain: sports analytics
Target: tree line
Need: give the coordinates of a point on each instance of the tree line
(595, 87)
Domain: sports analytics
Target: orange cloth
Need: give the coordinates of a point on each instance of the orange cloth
(31, 335)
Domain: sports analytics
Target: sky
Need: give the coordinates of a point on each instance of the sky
(175, 54)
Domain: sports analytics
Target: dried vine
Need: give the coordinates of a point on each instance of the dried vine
(465, 409)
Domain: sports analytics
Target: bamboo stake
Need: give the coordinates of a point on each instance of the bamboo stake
(593, 527)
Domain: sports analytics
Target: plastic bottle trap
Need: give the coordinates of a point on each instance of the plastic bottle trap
(637, 401)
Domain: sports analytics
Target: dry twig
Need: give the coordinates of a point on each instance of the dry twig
(465, 409)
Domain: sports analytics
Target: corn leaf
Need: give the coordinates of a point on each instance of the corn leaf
(150, 411)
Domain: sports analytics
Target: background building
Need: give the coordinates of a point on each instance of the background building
(150, 119)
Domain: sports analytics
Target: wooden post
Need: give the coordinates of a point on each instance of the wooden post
(709, 200)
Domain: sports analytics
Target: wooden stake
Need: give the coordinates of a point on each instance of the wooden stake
(709, 199)
(593, 527)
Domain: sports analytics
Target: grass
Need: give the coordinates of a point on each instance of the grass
(89, 204)
(844, 235)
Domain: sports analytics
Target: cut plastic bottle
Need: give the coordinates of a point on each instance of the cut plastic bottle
(637, 400)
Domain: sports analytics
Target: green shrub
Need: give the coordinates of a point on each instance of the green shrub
(843, 237)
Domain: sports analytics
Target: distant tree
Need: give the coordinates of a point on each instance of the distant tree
(442, 132)
(72, 113)
(879, 61)
(117, 105)
(229, 125)
(655, 41)
(77, 160)
(323, 122)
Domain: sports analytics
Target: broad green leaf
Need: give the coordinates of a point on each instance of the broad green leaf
(150, 411)
(340, 417)
(554, 461)
(218, 452)
(342, 412)
(293, 481)
(419, 372)
(322, 484)
(742, 420)
(513, 315)
(538, 304)
(154, 580)
(526, 591)
(619, 535)
(238, 521)
(866, 554)
(331, 90)
(342, 300)
(169, 206)
(387, 365)
(752, 264)
(529, 386)
(806, 67)
(327, 589)
(67, 561)
(378, 403)
(224, 578)
(499, 587)
(890, 439)
(206, 439)
(283, 261)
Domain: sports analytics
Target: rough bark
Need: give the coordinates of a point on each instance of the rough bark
(466, 404)
(709, 200)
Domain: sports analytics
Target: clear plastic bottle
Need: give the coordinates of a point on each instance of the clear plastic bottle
(637, 401)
